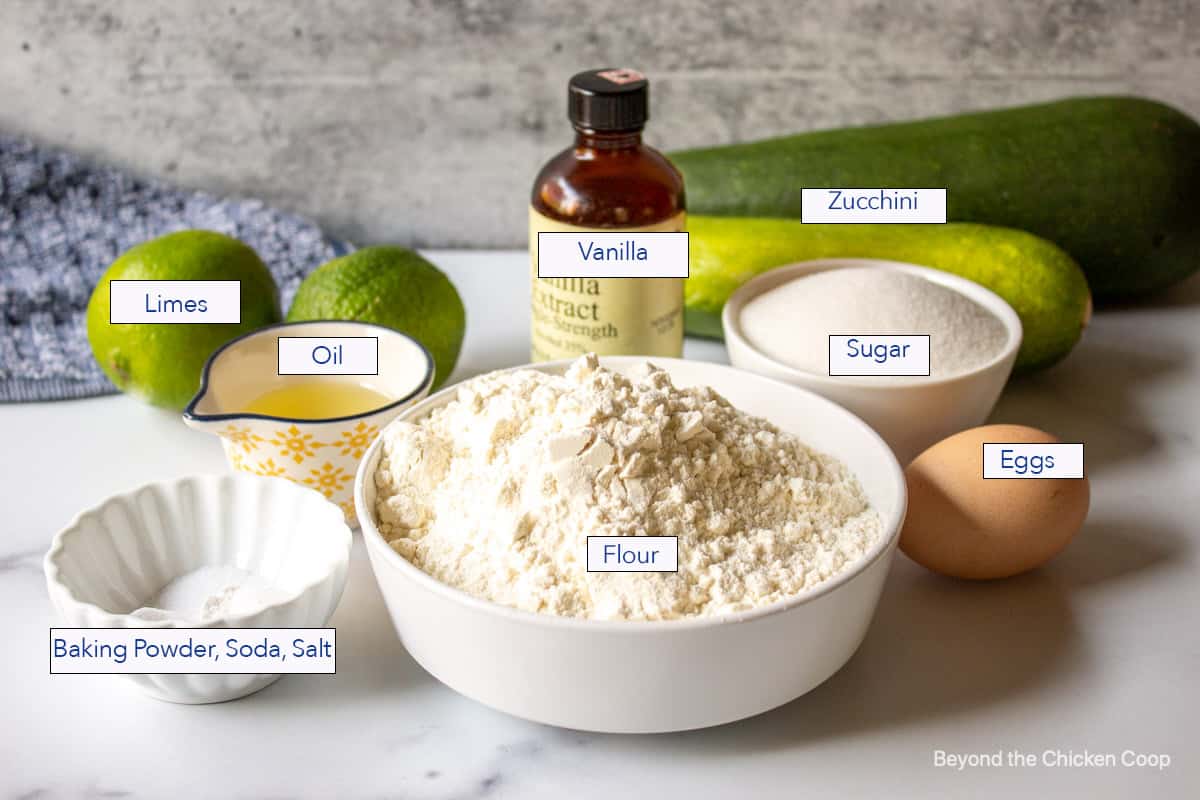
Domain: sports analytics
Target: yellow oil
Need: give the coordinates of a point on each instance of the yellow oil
(318, 400)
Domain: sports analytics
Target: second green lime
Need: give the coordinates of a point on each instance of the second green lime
(389, 286)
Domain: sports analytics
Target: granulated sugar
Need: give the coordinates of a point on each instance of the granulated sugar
(496, 492)
(792, 322)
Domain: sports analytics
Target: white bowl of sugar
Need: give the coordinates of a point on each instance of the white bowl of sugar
(779, 325)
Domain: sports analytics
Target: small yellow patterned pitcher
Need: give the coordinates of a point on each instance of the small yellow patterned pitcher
(320, 453)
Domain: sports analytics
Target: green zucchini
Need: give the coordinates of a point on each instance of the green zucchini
(1038, 279)
(1115, 181)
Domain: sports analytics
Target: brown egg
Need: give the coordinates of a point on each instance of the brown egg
(961, 525)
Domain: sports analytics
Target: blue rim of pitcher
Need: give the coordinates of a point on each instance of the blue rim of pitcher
(189, 412)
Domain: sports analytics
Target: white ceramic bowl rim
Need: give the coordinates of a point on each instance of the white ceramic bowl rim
(52, 570)
(190, 413)
(890, 527)
(777, 276)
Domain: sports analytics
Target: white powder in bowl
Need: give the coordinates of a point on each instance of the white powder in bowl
(792, 322)
(210, 593)
(496, 492)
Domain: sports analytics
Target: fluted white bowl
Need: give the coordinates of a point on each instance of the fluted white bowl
(111, 559)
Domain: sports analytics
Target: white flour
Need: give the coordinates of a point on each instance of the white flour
(792, 322)
(209, 593)
(496, 492)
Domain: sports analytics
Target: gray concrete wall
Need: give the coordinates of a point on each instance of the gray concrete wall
(424, 122)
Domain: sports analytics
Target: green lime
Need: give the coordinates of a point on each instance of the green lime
(393, 287)
(162, 363)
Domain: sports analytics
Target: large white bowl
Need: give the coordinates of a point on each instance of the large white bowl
(910, 413)
(642, 677)
(114, 557)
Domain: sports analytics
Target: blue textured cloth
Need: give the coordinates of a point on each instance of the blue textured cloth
(64, 220)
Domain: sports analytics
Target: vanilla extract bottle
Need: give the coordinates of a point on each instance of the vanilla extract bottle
(608, 181)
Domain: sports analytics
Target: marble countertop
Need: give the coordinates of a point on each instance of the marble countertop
(1098, 652)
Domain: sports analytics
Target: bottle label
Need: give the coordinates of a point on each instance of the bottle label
(608, 316)
(623, 254)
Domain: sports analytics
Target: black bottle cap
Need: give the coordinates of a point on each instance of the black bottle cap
(609, 100)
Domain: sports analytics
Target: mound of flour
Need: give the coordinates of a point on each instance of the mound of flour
(496, 492)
